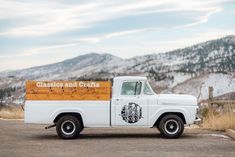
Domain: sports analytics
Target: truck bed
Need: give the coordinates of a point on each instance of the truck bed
(68, 90)
(46, 99)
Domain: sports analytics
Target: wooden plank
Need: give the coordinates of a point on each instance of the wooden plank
(66, 97)
(210, 90)
(68, 90)
(223, 101)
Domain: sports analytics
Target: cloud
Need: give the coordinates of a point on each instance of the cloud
(153, 46)
(50, 17)
(203, 18)
(94, 39)
(45, 19)
(182, 42)
(39, 50)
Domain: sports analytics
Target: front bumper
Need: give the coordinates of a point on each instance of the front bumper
(197, 120)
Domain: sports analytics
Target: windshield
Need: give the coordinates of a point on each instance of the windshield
(147, 89)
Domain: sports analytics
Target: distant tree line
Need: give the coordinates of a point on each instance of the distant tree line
(157, 76)
(7, 92)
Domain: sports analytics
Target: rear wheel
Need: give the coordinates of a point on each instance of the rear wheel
(68, 127)
(171, 126)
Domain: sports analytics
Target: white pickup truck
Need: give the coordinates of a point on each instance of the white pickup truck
(130, 101)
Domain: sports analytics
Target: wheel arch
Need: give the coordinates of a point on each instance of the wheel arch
(75, 114)
(179, 114)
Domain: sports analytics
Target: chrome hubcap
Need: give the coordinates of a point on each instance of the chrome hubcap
(171, 126)
(68, 127)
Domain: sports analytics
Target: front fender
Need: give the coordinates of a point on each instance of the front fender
(162, 110)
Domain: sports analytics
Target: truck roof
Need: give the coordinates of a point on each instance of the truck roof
(121, 78)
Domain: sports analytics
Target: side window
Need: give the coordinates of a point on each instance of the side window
(131, 88)
(147, 90)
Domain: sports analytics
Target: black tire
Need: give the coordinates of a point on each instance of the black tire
(171, 126)
(68, 127)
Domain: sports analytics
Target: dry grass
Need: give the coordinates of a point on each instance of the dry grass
(11, 112)
(219, 121)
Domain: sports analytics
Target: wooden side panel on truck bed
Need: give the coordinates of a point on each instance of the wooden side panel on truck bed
(68, 90)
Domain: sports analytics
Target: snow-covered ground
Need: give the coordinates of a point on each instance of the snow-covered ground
(198, 86)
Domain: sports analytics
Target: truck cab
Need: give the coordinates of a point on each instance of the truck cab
(128, 102)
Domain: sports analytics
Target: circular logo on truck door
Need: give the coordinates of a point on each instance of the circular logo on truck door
(131, 113)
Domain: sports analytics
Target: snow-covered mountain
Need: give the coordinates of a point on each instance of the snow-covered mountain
(66, 68)
(189, 70)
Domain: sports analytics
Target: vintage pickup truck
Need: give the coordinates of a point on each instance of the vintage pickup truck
(127, 101)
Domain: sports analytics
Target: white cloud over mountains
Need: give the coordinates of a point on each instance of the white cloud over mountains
(49, 17)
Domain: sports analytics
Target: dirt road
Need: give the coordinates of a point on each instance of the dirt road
(20, 140)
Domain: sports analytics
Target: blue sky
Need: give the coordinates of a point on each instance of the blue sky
(41, 32)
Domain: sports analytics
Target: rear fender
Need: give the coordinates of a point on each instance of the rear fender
(66, 110)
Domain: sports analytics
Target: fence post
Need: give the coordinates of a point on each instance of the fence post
(210, 102)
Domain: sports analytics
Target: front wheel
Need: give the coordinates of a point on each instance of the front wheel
(171, 126)
(68, 127)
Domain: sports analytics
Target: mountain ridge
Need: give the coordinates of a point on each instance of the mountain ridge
(231, 37)
(188, 70)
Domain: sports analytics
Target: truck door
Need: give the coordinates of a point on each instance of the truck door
(131, 105)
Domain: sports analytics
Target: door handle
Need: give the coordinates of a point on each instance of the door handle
(119, 99)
